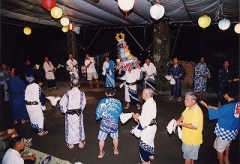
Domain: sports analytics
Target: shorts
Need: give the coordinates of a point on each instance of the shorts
(220, 145)
(190, 151)
(92, 75)
(103, 135)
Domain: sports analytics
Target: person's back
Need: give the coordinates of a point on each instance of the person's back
(12, 157)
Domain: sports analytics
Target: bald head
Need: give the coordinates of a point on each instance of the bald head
(75, 83)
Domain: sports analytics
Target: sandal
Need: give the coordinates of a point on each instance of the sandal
(127, 106)
(82, 144)
(43, 133)
(101, 156)
(70, 146)
(138, 106)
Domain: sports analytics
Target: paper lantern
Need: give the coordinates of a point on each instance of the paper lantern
(157, 11)
(27, 31)
(48, 4)
(126, 5)
(70, 26)
(224, 24)
(65, 28)
(204, 21)
(56, 12)
(64, 21)
(237, 28)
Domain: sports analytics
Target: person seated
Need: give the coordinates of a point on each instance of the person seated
(13, 156)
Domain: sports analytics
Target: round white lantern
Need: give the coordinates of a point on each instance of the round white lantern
(126, 5)
(65, 28)
(237, 28)
(64, 21)
(204, 21)
(224, 24)
(157, 11)
(56, 12)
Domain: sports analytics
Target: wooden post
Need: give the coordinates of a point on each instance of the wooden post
(161, 52)
(72, 48)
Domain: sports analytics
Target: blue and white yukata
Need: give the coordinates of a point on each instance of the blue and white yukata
(131, 95)
(175, 71)
(149, 79)
(73, 99)
(29, 74)
(34, 93)
(16, 89)
(73, 70)
(228, 122)
(4, 77)
(199, 81)
(108, 71)
(146, 146)
(109, 110)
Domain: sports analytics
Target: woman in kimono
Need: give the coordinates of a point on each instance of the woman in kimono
(108, 71)
(178, 72)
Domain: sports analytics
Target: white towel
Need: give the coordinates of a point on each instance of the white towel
(179, 132)
(136, 131)
(53, 100)
(171, 126)
(124, 117)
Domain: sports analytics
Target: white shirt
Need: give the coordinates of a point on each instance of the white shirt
(70, 65)
(133, 76)
(12, 157)
(47, 67)
(91, 68)
(150, 70)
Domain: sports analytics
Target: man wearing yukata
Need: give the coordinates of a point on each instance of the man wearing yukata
(49, 73)
(35, 103)
(148, 125)
(108, 71)
(73, 104)
(191, 122)
(201, 74)
(30, 71)
(150, 74)
(177, 71)
(131, 75)
(108, 110)
(228, 124)
(4, 76)
(72, 67)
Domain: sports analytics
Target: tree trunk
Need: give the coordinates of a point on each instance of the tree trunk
(161, 50)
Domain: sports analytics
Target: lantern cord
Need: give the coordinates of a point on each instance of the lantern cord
(175, 41)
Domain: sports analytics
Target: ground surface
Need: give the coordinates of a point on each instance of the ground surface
(168, 148)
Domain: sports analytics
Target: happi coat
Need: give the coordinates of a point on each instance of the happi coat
(74, 128)
(33, 93)
(108, 71)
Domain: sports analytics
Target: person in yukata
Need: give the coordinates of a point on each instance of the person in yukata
(35, 103)
(201, 73)
(30, 71)
(72, 67)
(191, 122)
(73, 104)
(108, 71)
(148, 125)
(49, 73)
(16, 89)
(131, 75)
(228, 124)
(150, 74)
(91, 70)
(177, 71)
(4, 77)
(225, 81)
(108, 110)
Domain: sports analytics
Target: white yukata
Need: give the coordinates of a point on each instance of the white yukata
(34, 93)
(73, 70)
(149, 112)
(131, 90)
(74, 128)
(47, 67)
(150, 71)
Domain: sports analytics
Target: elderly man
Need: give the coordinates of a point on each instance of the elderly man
(35, 103)
(150, 74)
(148, 125)
(73, 104)
(228, 124)
(108, 110)
(91, 70)
(13, 156)
(72, 67)
(191, 121)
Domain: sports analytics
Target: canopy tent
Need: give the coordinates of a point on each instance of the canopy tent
(92, 13)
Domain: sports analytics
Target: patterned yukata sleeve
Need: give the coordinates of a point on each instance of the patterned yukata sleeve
(182, 71)
(42, 97)
(82, 101)
(64, 103)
